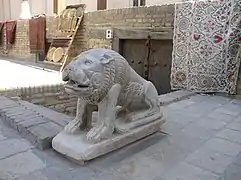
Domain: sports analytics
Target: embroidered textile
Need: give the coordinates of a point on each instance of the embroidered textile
(206, 36)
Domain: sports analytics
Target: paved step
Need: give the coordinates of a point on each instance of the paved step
(37, 124)
(175, 96)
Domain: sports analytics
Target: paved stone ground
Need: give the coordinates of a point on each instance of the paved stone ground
(13, 75)
(202, 141)
(40, 125)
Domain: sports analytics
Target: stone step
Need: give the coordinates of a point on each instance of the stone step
(36, 123)
(39, 124)
(166, 99)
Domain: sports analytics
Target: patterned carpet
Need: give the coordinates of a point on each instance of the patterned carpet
(206, 37)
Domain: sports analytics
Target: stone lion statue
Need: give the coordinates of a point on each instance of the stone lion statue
(103, 80)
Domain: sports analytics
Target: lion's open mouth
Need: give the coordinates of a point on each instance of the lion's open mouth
(75, 85)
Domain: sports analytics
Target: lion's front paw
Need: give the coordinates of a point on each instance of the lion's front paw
(99, 133)
(73, 126)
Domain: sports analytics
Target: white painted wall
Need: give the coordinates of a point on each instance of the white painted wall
(37, 7)
(5, 9)
(14, 8)
(91, 5)
(161, 2)
(115, 4)
(70, 2)
(1, 9)
(10, 9)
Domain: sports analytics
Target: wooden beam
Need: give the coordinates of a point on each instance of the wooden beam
(131, 33)
(144, 33)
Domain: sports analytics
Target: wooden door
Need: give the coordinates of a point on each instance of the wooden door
(101, 4)
(159, 65)
(134, 52)
(155, 66)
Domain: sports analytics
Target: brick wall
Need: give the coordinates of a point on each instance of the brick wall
(155, 16)
(51, 26)
(20, 48)
(3, 47)
(50, 96)
(54, 97)
(137, 17)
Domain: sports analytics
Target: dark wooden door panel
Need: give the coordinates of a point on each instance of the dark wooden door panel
(160, 65)
(158, 62)
(101, 4)
(134, 51)
(55, 6)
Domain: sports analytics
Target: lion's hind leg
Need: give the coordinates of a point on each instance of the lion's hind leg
(144, 116)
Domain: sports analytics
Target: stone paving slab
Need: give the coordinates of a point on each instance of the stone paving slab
(185, 171)
(20, 164)
(58, 118)
(13, 146)
(175, 96)
(233, 172)
(210, 160)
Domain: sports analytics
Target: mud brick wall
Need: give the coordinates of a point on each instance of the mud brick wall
(50, 96)
(53, 97)
(137, 17)
(20, 48)
(51, 26)
(3, 47)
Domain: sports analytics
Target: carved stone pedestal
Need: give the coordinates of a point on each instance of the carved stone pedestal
(78, 149)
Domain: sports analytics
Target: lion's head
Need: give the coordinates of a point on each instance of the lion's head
(90, 75)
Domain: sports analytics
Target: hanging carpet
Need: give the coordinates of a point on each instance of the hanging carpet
(10, 31)
(1, 31)
(1, 26)
(37, 34)
(206, 37)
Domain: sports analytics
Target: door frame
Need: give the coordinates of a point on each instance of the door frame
(139, 33)
(119, 35)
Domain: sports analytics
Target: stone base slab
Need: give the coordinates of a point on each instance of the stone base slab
(76, 148)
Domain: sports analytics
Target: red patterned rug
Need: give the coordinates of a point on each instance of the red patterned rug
(10, 31)
(37, 35)
(1, 26)
(206, 37)
(1, 30)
